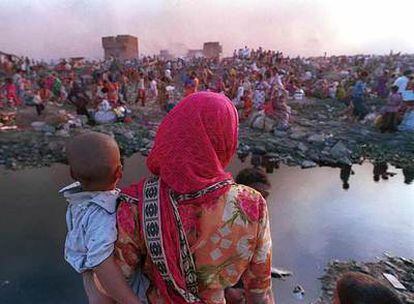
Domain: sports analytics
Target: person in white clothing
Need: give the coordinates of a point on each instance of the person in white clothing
(402, 81)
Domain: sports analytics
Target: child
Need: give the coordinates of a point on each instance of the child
(390, 111)
(95, 162)
(38, 102)
(354, 288)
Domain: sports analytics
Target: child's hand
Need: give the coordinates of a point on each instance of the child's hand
(114, 284)
(94, 294)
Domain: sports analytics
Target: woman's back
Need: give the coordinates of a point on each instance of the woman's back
(229, 239)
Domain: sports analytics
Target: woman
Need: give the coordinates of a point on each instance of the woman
(190, 229)
(259, 96)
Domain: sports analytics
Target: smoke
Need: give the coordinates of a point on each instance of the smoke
(54, 29)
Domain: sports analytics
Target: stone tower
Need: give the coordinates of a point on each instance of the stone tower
(122, 47)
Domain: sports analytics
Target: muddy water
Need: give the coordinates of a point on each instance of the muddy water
(313, 220)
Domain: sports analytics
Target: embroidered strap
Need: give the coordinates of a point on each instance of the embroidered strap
(186, 259)
(194, 195)
(154, 243)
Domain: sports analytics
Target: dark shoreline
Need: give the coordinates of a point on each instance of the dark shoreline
(317, 136)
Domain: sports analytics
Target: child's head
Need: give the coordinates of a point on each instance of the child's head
(255, 178)
(95, 161)
(355, 288)
(394, 89)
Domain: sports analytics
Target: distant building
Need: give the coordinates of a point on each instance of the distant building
(122, 47)
(212, 49)
(195, 54)
(165, 55)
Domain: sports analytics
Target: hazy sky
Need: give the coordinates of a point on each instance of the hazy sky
(64, 28)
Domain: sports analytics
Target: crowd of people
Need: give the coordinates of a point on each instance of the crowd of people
(191, 233)
(255, 80)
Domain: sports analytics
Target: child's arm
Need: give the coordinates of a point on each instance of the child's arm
(95, 295)
(110, 276)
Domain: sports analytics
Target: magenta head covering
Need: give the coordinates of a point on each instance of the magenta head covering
(195, 142)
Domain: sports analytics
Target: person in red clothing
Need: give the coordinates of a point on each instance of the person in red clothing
(11, 93)
(112, 91)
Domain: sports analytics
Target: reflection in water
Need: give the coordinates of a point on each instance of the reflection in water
(255, 178)
(345, 174)
(312, 221)
(381, 171)
(408, 175)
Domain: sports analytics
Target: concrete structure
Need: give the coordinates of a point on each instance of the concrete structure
(212, 49)
(195, 54)
(122, 47)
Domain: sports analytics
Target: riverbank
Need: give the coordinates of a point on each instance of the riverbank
(401, 268)
(318, 135)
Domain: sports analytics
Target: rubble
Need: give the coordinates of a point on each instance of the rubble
(307, 143)
(401, 268)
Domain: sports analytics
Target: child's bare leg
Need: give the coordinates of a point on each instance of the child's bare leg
(95, 296)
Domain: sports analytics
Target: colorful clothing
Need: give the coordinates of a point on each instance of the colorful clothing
(56, 87)
(189, 228)
(240, 214)
(259, 96)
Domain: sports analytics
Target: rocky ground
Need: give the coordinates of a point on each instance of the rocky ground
(401, 268)
(318, 136)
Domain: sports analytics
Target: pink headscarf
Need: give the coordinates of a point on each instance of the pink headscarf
(194, 144)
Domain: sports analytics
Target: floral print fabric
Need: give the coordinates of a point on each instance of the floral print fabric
(229, 239)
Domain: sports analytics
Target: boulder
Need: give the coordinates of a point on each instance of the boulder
(38, 125)
(260, 121)
(302, 147)
(316, 138)
(339, 151)
(308, 164)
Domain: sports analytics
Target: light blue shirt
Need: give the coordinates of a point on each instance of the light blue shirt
(91, 222)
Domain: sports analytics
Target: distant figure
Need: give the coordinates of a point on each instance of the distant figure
(390, 111)
(79, 99)
(141, 90)
(358, 96)
(402, 81)
(358, 288)
(10, 89)
(153, 89)
(259, 96)
(191, 84)
(382, 82)
(38, 102)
